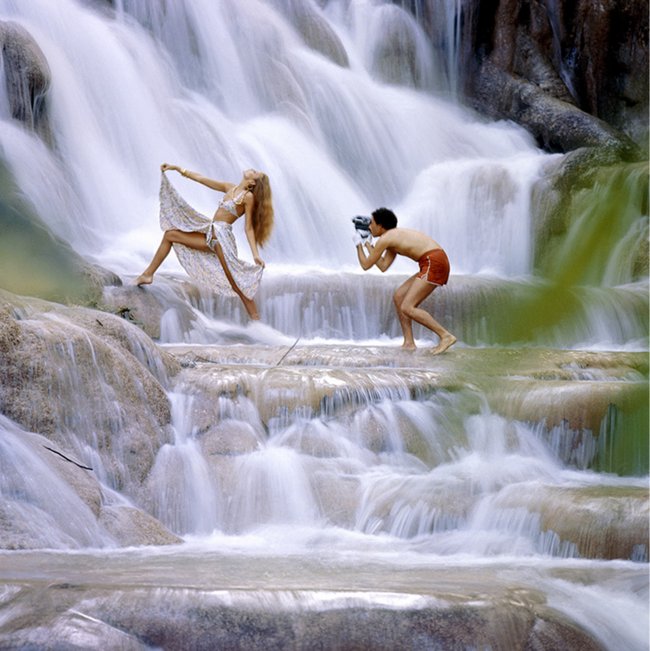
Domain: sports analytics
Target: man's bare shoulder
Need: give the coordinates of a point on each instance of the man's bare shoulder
(402, 236)
(408, 242)
(396, 235)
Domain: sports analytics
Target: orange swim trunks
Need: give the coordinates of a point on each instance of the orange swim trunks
(434, 267)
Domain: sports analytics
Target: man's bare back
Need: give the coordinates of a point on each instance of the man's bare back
(407, 242)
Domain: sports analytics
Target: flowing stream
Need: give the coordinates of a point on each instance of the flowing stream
(347, 475)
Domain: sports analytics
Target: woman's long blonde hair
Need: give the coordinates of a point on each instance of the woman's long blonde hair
(262, 210)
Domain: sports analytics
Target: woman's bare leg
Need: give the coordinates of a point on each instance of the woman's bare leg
(193, 240)
(249, 303)
(417, 291)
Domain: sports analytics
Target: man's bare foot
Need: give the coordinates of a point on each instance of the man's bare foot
(406, 346)
(445, 342)
(144, 279)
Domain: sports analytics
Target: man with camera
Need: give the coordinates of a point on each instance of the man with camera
(434, 270)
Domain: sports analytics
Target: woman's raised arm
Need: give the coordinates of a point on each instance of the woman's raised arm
(220, 186)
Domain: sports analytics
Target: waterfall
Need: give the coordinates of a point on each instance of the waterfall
(334, 141)
(39, 498)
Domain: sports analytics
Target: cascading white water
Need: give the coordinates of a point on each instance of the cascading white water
(209, 88)
(38, 495)
(146, 85)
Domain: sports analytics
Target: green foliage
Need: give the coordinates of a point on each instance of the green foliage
(33, 262)
(624, 442)
(608, 230)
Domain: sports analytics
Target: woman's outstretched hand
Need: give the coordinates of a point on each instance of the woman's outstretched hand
(258, 260)
(166, 166)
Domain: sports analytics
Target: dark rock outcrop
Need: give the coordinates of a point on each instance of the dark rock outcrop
(591, 56)
(558, 125)
(27, 78)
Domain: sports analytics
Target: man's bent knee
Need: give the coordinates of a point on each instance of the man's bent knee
(409, 310)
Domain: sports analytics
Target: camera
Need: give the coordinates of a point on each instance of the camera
(362, 223)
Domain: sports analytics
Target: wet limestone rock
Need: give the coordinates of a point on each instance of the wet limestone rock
(601, 522)
(131, 526)
(314, 29)
(27, 519)
(395, 55)
(27, 78)
(84, 392)
(230, 437)
(142, 306)
(338, 495)
(195, 620)
(121, 333)
(557, 125)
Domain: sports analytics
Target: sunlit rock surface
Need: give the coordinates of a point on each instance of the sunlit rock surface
(414, 609)
(78, 379)
(569, 512)
(50, 500)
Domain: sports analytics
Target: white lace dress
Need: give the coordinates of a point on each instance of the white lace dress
(204, 266)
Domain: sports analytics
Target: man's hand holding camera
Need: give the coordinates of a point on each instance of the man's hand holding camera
(362, 234)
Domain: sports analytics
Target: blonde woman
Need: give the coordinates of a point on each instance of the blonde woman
(207, 248)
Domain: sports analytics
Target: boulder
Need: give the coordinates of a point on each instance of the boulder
(137, 305)
(27, 78)
(557, 125)
(337, 495)
(131, 526)
(85, 392)
(230, 437)
(601, 522)
(314, 29)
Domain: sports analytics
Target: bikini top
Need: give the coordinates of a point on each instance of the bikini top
(231, 204)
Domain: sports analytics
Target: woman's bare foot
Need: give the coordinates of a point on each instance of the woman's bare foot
(144, 279)
(445, 342)
(406, 346)
(251, 308)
